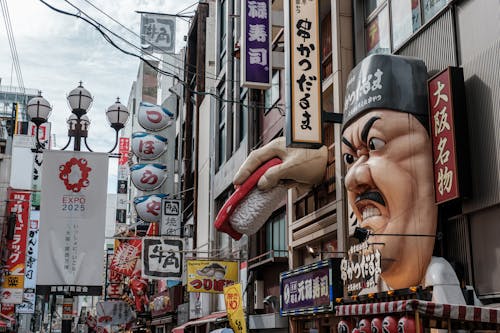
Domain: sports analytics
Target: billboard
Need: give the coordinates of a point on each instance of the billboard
(72, 218)
(211, 276)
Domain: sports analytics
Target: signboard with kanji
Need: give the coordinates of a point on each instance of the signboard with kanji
(304, 128)
(444, 150)
(162, 258)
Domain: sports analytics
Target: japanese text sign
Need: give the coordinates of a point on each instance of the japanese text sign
(147, 146)
(170, 217)
(123, 149)
(158, 33)
(208, 276)
(234, 308)
(362, 268)
(309, 289)
(443, 136)
(304, 126)
(162, 258)
(126, 256)
(256, 44)
(18, 206)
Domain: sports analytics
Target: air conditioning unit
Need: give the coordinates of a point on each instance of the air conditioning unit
(258, 292)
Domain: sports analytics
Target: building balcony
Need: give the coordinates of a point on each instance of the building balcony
(272, 256)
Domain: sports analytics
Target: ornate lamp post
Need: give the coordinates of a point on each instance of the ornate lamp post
(79, 100)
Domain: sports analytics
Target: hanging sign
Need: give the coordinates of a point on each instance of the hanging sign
(154, 117)
(147, 146)
(234, 308)
(162, 258)
(256, 44)
(304, 127)
(148, 207)
(158, 33)
(170, 217)
(113, 313)
(125, 258)
(208, 276)
(443, 133)
(18, 207)
(72, 212)
(148, 176)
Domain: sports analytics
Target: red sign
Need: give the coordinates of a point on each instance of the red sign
(443, 136)
(19, 205)
(123, 149)
(126, 256)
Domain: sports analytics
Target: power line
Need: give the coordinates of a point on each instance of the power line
(12, 44)
(98, 26)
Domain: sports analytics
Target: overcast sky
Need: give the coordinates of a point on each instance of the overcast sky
(57, 51)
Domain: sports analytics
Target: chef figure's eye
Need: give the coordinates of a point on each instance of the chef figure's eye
(349, 159)
(375, 144)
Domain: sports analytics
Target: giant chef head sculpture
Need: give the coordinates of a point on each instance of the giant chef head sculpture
(388, 158)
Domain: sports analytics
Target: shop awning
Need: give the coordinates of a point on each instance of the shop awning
(203, 320)
(446, 311)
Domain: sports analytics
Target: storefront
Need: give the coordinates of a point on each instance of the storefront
(162, 306)
(214, 321)
(308, 294)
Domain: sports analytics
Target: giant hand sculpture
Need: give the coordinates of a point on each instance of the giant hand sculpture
(261, 183)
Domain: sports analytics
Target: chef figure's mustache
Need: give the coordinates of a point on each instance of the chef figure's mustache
(373, 196)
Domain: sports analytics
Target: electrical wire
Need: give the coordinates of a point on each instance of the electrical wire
(12, 44)
(98, 26)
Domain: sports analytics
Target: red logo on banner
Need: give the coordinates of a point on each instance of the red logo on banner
(19, 206)
(75, 180)
(443, 137)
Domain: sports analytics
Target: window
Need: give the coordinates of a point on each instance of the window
(243, 121)
(276, 234)
(221, 116)
(272, 95)
(402, 17)
(222, 33)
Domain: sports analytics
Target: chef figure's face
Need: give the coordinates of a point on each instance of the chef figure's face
(389, 181)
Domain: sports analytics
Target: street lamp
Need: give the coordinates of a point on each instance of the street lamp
(79, 100)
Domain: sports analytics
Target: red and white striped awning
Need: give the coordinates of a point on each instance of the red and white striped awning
(445, 311)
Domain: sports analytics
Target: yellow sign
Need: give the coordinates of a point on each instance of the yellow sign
(208, 276)
(234, 308)
(13, 281)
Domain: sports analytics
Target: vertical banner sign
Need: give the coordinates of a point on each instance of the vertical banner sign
(18, 207)
(256, 44)
(158, 33)
(304, 128)
(443, 137)
(125, 258)
(234, 308)
(162, 258)
(28, 305)
(44, 138)
(72, 219)
(122, 190)
(170, 217)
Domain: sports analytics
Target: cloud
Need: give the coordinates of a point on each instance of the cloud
(57, 51)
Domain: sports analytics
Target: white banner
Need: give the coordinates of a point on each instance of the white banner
(162, 258)
(113, 313)
(72, 221)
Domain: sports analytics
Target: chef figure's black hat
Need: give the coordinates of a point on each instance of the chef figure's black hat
(384, 81)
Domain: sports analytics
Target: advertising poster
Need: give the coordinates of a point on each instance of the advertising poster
(209, 276)
(18, 208)
(72, 219)
(234, 308)
(125, 258)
